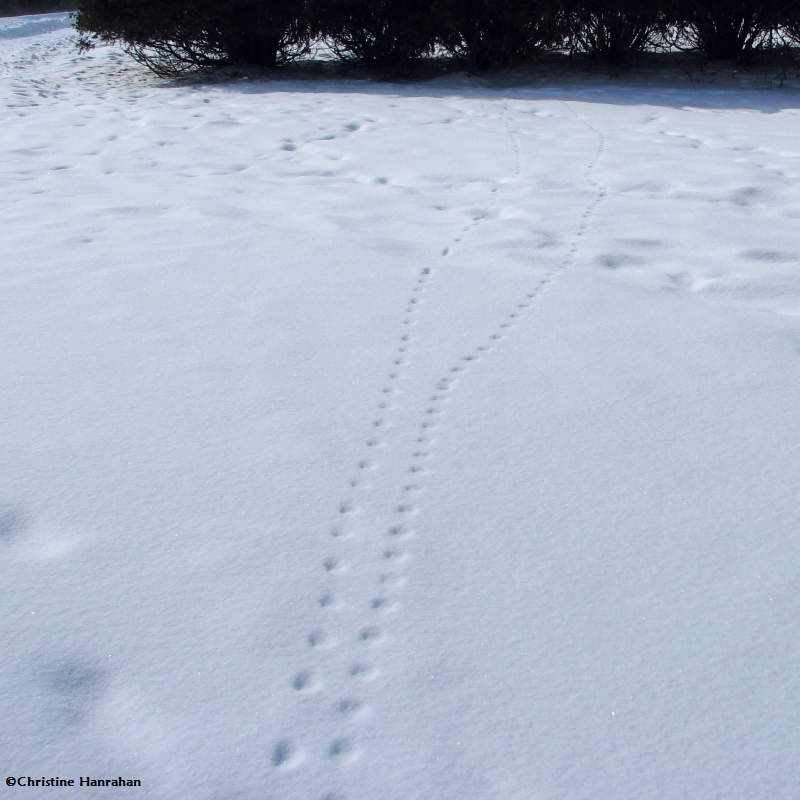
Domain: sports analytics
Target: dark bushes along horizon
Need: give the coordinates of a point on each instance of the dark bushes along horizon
(173, 36)
(487, 34)
(383, 33)
(728, 29)
(614, 31)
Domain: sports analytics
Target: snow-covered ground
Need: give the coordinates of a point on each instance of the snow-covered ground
(381, 441)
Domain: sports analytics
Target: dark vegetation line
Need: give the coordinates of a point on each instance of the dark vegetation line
(14, 8)
(175, 36)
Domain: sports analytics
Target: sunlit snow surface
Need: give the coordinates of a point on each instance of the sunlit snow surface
(381, 441)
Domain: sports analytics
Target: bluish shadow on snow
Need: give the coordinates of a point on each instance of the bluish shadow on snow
(671, 81)
(16, 28)
(73, 687)
(11, 521)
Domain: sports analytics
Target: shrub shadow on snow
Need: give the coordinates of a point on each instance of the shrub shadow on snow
(670, 81)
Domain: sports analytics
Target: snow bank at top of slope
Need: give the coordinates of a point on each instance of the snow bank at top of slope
(33, 25)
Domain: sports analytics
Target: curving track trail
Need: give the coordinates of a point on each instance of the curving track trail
(355, 620)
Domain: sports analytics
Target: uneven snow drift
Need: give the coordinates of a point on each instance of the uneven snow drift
(379, 441)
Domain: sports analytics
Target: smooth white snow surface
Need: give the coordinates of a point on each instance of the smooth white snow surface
(375, 441)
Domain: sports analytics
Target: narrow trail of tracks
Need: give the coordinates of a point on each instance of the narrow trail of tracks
(393, 546)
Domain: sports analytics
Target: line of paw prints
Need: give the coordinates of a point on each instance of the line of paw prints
(395, 555)
(334, 567)
(400, 534)
(345, 749)
(514, 142)
(286, 754)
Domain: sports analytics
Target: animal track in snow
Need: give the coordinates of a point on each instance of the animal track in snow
(400, 532)
(305, 681)
(342, 569)
(339, 532)
(392, 580)
(514, 142)
(327, 600)
(319, 639)
(371, 634)
(349, 707)
(335, 567)
(285, 754)
(383, 605)
(344, 749)
(333, 564)
(362, 671)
